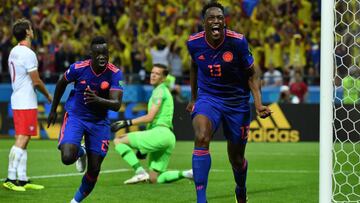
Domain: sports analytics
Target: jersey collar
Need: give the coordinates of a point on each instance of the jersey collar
(217, 45)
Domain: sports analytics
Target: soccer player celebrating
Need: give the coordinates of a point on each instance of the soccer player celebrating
(158, 140)
(23, 68)
(97, 89)
(221, 78)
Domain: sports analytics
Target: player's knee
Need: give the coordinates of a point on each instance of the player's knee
(238, 163)
(68, 159)
(202, 139)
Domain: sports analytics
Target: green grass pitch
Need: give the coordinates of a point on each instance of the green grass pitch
(278, 172)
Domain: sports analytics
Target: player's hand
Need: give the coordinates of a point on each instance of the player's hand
(90, 96)
(140, 156)
(263, 111)
(49, 98)
(120, 124)
(190, 106)
(51, 118)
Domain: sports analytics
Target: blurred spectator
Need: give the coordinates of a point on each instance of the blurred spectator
(311, 77)
(351, 86)
(137, 60)
(299, 87)
(130, 26)
(297, 52)
(272, 77)
(286, 96)
(159, 51)
(175, 61)
(273, 53)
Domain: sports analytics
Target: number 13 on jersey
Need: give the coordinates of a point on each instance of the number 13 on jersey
(215, 70)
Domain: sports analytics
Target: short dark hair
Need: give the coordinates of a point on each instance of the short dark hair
(98, 40)
(162, 66)
(210, 5)
(19, 28)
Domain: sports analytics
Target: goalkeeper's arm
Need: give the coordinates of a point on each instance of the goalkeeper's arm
(149, 117)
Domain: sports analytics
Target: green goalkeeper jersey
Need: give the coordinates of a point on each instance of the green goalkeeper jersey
(161, 95)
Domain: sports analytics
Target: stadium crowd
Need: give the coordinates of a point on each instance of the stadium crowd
(284, 35)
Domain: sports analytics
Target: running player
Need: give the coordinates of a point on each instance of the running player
(23, 68)
(222, 76)
(158, 140)
(97, 89)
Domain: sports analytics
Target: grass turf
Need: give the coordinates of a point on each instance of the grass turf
(278, 172)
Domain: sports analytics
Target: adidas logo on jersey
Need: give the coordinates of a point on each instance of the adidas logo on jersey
(275, 128)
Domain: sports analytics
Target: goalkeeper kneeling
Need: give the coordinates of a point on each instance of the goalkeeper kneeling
(157, 141)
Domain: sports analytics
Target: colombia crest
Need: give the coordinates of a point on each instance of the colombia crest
(227, 56)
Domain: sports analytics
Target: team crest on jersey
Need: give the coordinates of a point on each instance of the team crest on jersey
(227, 56)
(104, 85)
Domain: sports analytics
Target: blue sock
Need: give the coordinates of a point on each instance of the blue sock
(201, 163)
(240, 179)
(87, 185)
(81, 151)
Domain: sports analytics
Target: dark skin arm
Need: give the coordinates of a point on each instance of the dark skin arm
(59, 91)
(193, 85)
(254, 84)
(113, 103)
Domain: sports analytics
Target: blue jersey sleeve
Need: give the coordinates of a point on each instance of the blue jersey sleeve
(117, 81)
(246, 58)
(190, 50)
(71, 74)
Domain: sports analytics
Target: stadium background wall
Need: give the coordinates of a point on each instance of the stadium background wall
(289, 123)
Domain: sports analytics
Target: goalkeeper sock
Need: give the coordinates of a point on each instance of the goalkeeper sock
(128, 155)
(87, 185)
(170, 176)
(201, 163)
(240, 179)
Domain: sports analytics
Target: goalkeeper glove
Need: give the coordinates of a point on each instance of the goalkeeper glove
(120, 124)
(141, 156)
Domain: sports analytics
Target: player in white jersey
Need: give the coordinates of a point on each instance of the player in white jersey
(25, 79)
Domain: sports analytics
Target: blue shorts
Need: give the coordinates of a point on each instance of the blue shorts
(97, 134)
(236, 121)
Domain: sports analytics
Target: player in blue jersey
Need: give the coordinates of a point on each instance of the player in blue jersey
(222, 77)
(97, 89)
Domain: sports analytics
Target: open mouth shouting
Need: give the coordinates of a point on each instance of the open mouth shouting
(216, 31)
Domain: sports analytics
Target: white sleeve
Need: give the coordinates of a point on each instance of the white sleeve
(30, 62)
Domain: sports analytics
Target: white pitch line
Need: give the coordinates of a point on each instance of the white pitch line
(121, 170)
(74, 174)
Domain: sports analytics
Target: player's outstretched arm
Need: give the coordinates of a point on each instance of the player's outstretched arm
(59, 91)
(193, 86)
(149, 117)
(254, 84)
(113, 103)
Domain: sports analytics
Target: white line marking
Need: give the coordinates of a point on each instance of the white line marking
(121, 170)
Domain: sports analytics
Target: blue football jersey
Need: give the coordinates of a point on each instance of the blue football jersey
(82, 74)
(221, 69)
